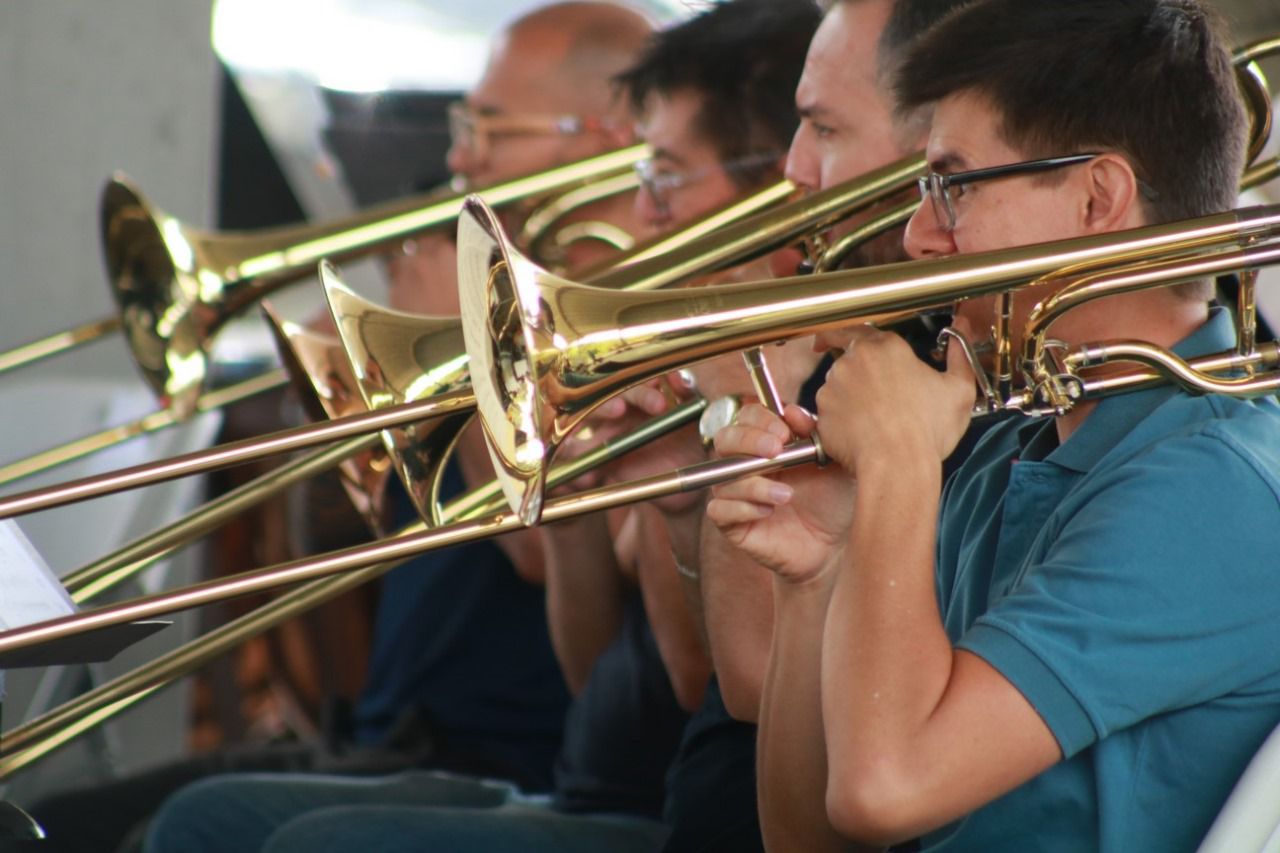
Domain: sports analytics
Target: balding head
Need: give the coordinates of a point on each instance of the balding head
(558, 60)
(577, 48)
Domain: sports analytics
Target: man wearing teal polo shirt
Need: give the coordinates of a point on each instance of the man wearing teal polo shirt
(1075, 645)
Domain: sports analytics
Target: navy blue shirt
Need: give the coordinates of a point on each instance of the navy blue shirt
(461, 637)
(623, 729)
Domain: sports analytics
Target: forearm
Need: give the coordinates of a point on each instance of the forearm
(684, 534)
(886, 658)
(585, 593)
(737, 599)
(674, 628)
(791, 748)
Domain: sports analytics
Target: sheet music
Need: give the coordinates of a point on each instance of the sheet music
(29, 591)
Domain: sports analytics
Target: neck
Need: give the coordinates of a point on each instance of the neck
(1159, 317)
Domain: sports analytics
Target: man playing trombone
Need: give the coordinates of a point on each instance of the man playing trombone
(1072, 645)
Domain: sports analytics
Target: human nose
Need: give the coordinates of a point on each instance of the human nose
(649, 210)
(925, 236)
(463, 158)
(802, 166)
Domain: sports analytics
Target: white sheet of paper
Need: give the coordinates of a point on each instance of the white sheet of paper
(29, 591)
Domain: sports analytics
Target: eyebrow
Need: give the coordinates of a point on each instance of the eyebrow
(669, 156)
(811, 111)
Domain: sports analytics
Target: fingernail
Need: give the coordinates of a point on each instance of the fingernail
(780, 493)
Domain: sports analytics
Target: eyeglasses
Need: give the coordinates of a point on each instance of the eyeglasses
(475, 130)
(937, 188)
(659, 185)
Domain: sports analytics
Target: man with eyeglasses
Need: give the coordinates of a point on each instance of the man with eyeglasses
(1072, 647)
(544, 99)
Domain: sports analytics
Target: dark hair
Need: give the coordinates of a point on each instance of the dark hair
(1149, 79)
(744, 57)
(908, 21)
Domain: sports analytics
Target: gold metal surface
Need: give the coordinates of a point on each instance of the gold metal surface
(326, 390)
(397, 358)
(145, 425)
(766, 232)
(175, 285)
(544, 351)
(27, 743)
(234, 453)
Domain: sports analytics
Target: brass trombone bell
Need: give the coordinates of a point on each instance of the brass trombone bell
(396, 357)
(544, 350)
(325, 389)
(701, 251)
(175, 285)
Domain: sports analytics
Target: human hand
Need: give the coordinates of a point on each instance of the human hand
(625, 413)
(881, 405)
(793, 522)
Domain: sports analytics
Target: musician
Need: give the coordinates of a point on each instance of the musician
(846, 127)
(615, 609)
(459, 633)
(1072, 646)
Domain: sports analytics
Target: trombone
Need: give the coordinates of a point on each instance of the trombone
(175, 285)
(744, 315)
(544, 350)
(695, 251)
(1142, 245)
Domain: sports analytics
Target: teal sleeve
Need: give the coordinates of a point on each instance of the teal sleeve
(1159, 588)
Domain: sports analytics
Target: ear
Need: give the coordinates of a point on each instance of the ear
(1113, 202)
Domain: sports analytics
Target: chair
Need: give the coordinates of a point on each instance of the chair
(1250, 820)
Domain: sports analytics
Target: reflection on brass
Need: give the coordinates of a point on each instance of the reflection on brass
(544, 351)
(175, 285)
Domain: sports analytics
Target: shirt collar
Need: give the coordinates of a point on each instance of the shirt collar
(1116, 416)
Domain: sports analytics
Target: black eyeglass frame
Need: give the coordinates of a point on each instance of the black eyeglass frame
(935, 187)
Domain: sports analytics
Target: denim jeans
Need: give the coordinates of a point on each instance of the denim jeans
(410, 811)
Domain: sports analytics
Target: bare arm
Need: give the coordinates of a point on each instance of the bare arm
(585, 593)
(675, 629)
(925, 733)
(917, 734)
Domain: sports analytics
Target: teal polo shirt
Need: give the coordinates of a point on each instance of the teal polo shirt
(1127, 582)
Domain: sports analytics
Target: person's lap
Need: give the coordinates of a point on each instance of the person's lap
(515, 827)
(239, 812)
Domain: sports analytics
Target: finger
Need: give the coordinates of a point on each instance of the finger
(647, 398)
(684, 382)
(727, 514)
(614, 407)
(801, 422)
(737, 440)
(755, 490)
(844, 338)
(756, 416)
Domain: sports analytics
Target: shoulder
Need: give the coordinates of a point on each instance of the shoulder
(1193, 441)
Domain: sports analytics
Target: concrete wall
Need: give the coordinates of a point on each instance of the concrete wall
(88, 88)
